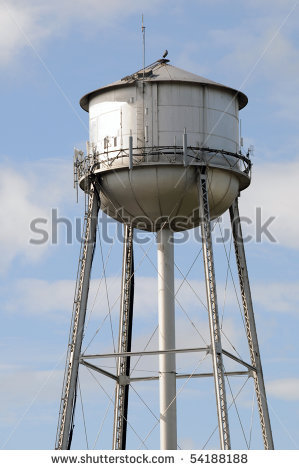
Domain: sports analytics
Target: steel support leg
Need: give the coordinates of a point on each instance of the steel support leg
(250, 327)
(124, 343)
(65, 424)
(167, 367)
(216, 348)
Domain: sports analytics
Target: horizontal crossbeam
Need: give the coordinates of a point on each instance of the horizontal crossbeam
(192, 376)
(156, 377)
(144, 353)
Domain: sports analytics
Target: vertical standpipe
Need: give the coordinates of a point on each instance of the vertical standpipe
(167, 368)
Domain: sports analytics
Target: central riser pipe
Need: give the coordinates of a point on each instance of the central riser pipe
(167, 367)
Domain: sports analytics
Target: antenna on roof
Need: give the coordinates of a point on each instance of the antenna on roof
(143, 40)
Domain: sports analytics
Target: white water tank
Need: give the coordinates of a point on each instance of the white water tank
(157, 106)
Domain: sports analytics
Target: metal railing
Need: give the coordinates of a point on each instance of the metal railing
(85, 165)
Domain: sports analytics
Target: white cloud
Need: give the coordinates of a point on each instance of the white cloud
(24, 195)
(187, 443)
(274, 189)
(23, 390)
(33, 22)
(54, 299)
(30, 23)
(285, 389)
(278, 297)
(18, 208)
(262, 52)
(16, 21)
(264, 42)
(42, 297)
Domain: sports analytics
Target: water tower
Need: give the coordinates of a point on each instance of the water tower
(163, 156)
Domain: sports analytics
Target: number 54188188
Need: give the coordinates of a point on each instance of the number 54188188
(218, 458)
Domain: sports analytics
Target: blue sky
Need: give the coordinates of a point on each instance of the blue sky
(51, 53)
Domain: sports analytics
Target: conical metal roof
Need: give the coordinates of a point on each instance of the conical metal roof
(161, 71)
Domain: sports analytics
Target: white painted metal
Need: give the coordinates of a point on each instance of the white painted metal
(167, 366)
(164, 106)
(146, 196)
(162, 71)
(209, 114)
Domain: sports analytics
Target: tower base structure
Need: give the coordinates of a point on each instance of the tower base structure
(167, 351)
